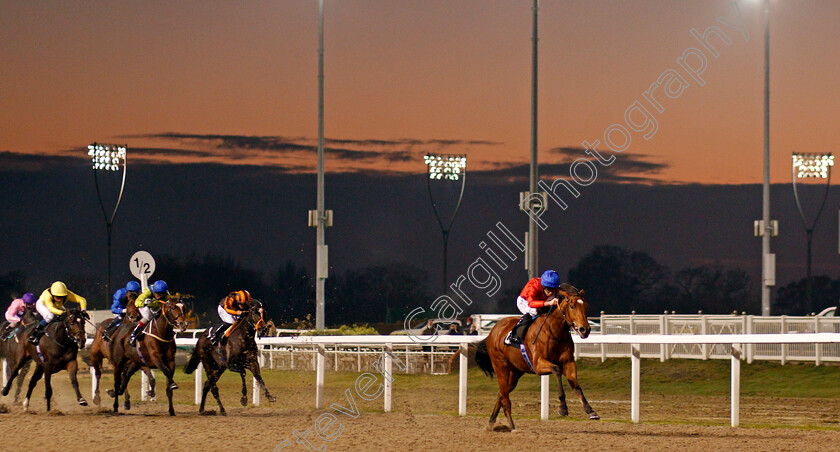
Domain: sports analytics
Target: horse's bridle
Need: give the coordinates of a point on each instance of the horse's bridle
(566, 321)
(64, 322)
(174, 323)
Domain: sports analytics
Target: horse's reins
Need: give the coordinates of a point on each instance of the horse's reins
(546, 321)
(166, 318)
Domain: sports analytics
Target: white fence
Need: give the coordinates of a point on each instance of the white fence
(715, 325)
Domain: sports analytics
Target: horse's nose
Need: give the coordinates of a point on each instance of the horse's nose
(584, 332)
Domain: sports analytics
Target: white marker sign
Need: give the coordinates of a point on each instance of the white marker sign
(142, 265)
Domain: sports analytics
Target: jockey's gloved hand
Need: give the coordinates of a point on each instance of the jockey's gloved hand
(123, 311)
(85, 314)
(147, 301)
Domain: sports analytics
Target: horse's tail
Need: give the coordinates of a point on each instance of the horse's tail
(482, 358)
(192, 364)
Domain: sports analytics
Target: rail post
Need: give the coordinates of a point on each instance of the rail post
(635, 377)
(735, 405)
(199, 383)
(389, 372)
(544, 389)
(462, 380)
(319, 377)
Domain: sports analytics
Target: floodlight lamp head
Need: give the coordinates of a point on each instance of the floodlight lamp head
(814, 165)
(109, 157)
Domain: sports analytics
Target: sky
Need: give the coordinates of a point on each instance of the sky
(217, 103)
(236, 82)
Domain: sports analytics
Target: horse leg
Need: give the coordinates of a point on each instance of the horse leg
(47, 388)
(96, 365)
(19, 362)
(513, 379)
(215, 389)
(570, 371)
(244, 400)
(39, 371)
(558, 373)
(170, 383)
(22, 376)
(118, 367)
(129, 370)
(71, 368)
(254, 366)
(151, 392)
(204, 391)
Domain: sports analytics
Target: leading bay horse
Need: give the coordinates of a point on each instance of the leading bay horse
(155, 350)
(549, 346)
(101, 349)
(12, 339)
(238, 354)
(56, 350)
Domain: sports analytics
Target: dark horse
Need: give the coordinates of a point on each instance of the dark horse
(550, 348)
(101, 349)
(56, 350)
(11, 339)
(238, 354)
(155, 350)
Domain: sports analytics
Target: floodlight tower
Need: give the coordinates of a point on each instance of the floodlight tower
(108, 157)
(446, 168)
(812, 165)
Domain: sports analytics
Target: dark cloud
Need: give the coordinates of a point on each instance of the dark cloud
(627, 168)
(15, 161)
(397, 150)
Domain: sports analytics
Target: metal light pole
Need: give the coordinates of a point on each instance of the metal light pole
(446, 168)
(806, 166)
(533, 243)
(766, 228)
(320, 218)
(108, 157)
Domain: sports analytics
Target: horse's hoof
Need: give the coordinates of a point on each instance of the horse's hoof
(223, 413)
(173, 386)
(272, 399)
(152, 399)
(172, 412)
(151, 394)
(96, 400)
(127, 405)
(82, 401)
(110, 393)
(243, 401)
(26, 404)
(563, 412)
(594, 416)
(5, 392)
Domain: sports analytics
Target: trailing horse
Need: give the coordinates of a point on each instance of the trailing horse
(156, 350)
(56, 350)
(238, 354)
(549, 348)
(13, 338)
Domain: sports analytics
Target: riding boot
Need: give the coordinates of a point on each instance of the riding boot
(517, 333)
(216, 333)
(37, 333)
(114, 323)
(132, 340)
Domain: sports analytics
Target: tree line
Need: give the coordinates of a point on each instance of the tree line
(616, 281)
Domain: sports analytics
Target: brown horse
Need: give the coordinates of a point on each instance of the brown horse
(100, 350)
(155, 350)
(550, 348)
(238, 354)
(56, 350)
(12, 339)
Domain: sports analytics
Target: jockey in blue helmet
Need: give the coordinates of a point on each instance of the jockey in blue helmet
(118, 306)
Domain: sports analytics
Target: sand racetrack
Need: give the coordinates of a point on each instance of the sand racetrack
(421, 420)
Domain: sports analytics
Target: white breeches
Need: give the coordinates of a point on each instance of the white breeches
(522, 305)
(147, 314)
(226, 316)
(44, 311)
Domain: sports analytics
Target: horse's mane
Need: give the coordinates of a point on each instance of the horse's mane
(568, 288)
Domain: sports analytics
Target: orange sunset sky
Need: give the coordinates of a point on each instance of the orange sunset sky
(191, 81)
